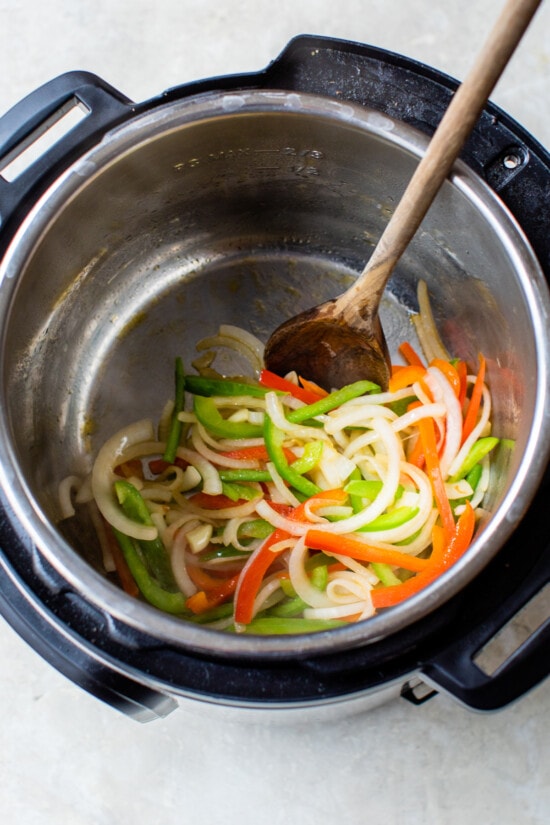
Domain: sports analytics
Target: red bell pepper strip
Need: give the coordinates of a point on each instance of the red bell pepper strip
(205, 600)
(253, 572)
(274, 382)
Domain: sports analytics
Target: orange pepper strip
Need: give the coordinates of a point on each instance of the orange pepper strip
(462, 536)
(416, 454)
(410, 355)
(462, 371)
(274, 382)
(312, 387)
(429, 446)
(475, 401)
(406, 376)
(252, 574)
(356, 549)
(204, 600)
(438, 545)
(446, 553)
(450, 373)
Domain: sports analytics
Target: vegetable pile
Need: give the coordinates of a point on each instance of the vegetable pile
(266, 505)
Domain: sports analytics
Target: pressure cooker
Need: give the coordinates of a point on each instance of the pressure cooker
(242, 199)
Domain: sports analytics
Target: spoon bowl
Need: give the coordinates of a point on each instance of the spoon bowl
(330, 348)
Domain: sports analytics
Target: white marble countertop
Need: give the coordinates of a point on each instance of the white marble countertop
(65, 758)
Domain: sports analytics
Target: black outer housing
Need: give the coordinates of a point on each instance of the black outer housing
(133, 671)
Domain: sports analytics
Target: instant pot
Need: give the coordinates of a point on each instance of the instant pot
(278, 159)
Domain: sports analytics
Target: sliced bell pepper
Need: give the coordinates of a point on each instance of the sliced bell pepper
(356, 549)
(212, 420)
(151, 590)
(153, 552)
(272, 381)
(446, 555)
(332, 401)
(479, 450)
(201, 385)
(176, 425)
(274, 438)
(263, 557)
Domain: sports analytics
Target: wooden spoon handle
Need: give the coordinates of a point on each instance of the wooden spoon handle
(443, 149)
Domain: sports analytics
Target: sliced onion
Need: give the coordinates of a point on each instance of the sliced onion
(274, 409)
(110, 455)
(69, 486)
(301, 581)
(239, 510)
(340, 611)
(179, 566)
(411, 417)
(442, 390)
(295, 528)
(386, 496)
(269, 594)
(84, 493)
(239, 340)
(285, 493)
(430, 334)
(356, 416)
(198, 441)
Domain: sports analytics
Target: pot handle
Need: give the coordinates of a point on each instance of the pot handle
(70, 655)
(23, 127)
(476, 668)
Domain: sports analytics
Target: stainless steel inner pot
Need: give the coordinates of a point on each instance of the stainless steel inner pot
(245, 208)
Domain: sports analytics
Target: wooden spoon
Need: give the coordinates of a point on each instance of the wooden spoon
(342, 340)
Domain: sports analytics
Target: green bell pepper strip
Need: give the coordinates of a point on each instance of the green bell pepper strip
(288, 608)
(288, 589)
(319, 576)
(223, 551)
(239, 492)
(313, 452)
(332, 400)
(255, 529)
(400, 407)
(478, 451)
(273, 625)
(212, 420)
(174, 434)
(151, 590)
(153, 552)
(274, 438)
(387, 521)
(385, 574)
(472, 478)
(200, 385)
(244, 475)
(363, 488)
